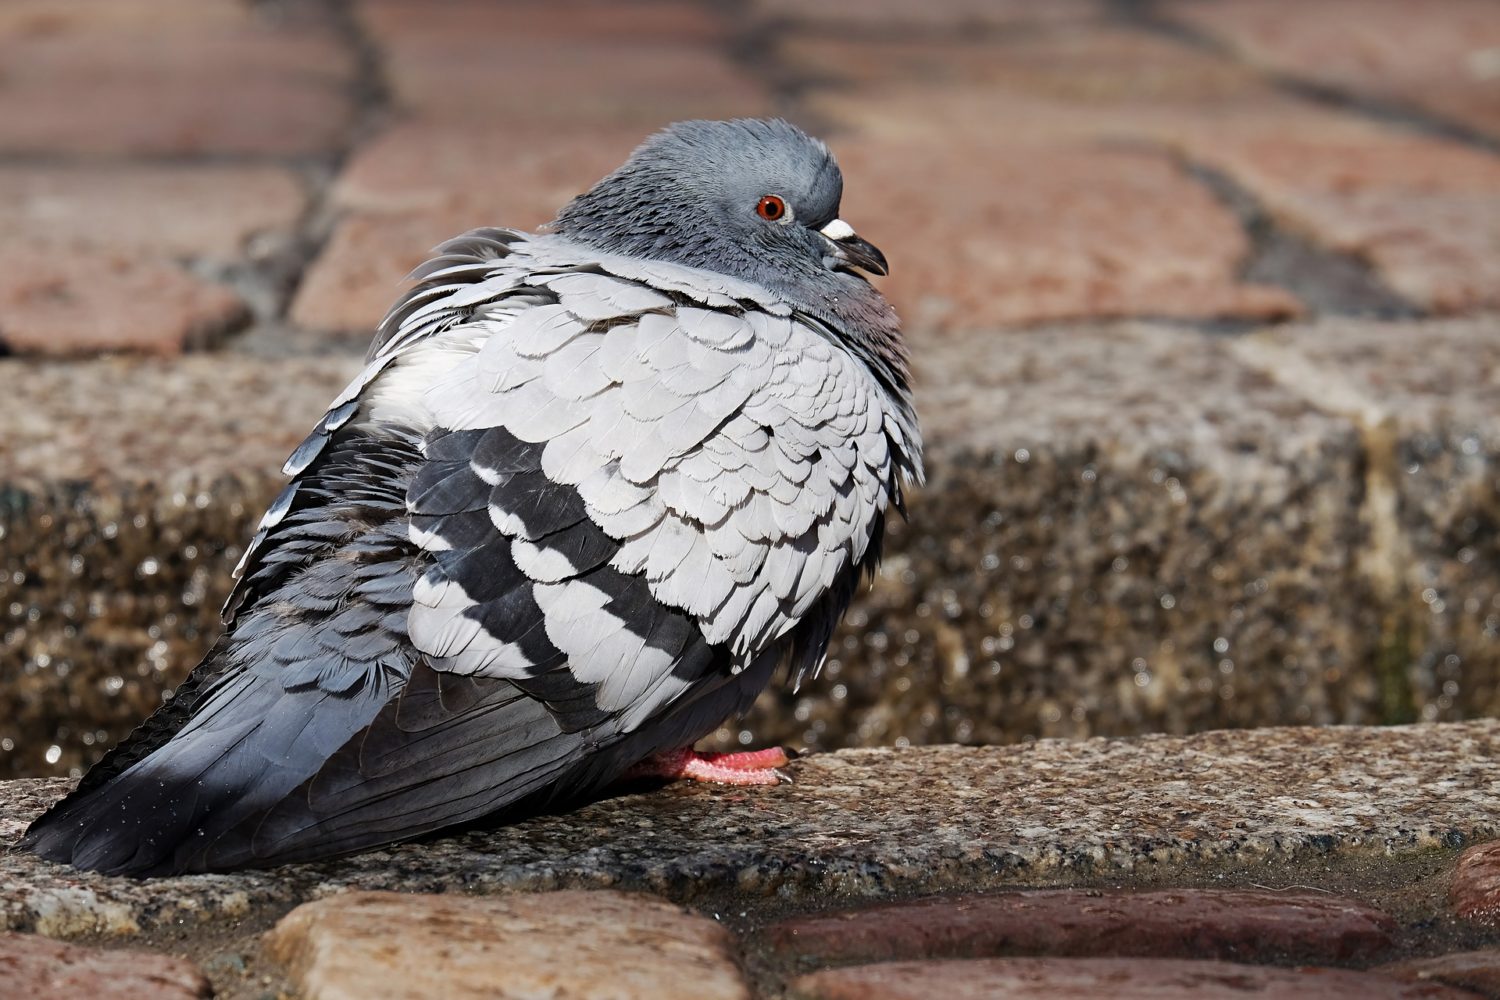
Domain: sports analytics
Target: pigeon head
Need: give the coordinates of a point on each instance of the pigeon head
(755, 199)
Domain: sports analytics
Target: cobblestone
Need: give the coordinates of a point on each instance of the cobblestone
(1425, 212)
(1383, 49)
(159, 211)
(1475, 889)
(1197, 516)
(42, 969)
(88, 302)
(473, 62)
(1471, 970)
(1022, 235)
(1243, 925)
(1084, 978)
(579, 945)
(112, 79)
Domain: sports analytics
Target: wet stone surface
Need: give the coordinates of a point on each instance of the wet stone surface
(1475, 889)
(1243, 925)
(1086, 978)
(980, 818)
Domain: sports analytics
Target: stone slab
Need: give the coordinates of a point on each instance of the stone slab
(1087, 978)
(1427, 397)
(970, 819)
(530, 946)
(42, 969)
(127, 487)
(1246, 925)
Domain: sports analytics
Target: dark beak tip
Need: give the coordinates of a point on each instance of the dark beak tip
(865, 255)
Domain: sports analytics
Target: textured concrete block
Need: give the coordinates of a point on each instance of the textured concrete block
(1269, 803)
(126, 490)
(1427, 399)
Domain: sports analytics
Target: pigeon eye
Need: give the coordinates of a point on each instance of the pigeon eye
(771, 207)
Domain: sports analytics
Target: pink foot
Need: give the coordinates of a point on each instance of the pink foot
(753, 767)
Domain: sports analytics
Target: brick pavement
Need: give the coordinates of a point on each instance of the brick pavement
(1204, 296)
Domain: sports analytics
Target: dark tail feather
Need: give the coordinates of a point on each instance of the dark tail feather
(250, 744)
(254, 780)
(447, 751)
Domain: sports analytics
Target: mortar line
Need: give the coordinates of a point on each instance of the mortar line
(1143, 15)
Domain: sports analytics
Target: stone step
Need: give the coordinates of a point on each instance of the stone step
(860, 825)
(1271, 847)
(1127, 527)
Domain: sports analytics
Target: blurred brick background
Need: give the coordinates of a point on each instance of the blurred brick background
(205, 205)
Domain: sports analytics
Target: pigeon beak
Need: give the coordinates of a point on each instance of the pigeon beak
(850, 249)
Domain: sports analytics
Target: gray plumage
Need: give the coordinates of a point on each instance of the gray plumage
(591, 488)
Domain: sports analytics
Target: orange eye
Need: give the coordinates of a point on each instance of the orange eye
(771, 207)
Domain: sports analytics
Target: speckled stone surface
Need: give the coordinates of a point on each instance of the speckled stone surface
(863, 824)
(126, 489)
(1427, 399)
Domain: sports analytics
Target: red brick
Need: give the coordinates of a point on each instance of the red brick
(1087, 65)
(1242, 924)
(1425, 212)
(1442, 58)
(38, 18)
(517, 178)
(209, 211)
(424, 24)
(560, 64)
(982, 235)
(1471, 970)
(84, 301)
(419, 184)
(1475, 890)
(95, 79)
(1091, 978)
(40, 968)
(360, 271)
(950, 14)
(1078, 82)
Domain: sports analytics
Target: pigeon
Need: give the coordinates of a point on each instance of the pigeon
(593, 487)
